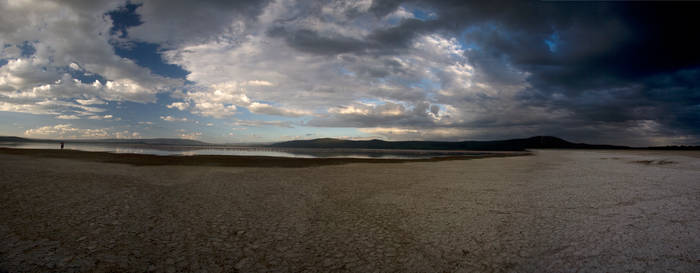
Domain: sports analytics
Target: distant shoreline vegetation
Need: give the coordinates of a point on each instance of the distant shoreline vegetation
(521, 144)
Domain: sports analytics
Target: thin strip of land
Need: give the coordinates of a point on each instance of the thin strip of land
(229, 160)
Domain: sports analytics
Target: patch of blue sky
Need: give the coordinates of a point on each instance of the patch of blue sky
(426, 84)
(463, 37)
(123, 18)
(85, 77)
(467, 44)
(148, 55)
(495, 29)
(135, 112)
(143, 54)
(553, 42)
(344, 71)
(4, 61)
(416, 12)
(423, 14)
(15, 123)
(372, 101)
(26, 49)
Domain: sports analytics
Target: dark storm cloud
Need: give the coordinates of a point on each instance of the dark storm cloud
(382, 42)
(177, 21)
(311, 41)
(607, 63)
(627, 40)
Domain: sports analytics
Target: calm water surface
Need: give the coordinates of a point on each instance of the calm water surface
(238, 151)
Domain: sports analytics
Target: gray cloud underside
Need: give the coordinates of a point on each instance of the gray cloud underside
(613, 72)
(617, 66)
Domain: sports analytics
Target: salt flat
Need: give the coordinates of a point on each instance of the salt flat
(554, 211)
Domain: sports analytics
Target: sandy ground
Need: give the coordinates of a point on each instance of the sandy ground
(555, 211)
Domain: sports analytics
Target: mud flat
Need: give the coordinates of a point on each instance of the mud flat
(554, 211)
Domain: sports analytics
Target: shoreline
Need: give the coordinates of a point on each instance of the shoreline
(230, 160)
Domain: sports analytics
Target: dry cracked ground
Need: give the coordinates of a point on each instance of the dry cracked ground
(555, 211)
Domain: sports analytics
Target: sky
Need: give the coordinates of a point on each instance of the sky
(263, 71)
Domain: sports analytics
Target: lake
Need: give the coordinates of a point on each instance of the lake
(240, 150)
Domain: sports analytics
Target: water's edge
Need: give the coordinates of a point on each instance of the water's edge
(177, 150)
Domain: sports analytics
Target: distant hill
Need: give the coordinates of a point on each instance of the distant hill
(537, 142)
(146, 141)
(520, 144)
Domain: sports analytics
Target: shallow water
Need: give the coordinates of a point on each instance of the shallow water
(238, 151)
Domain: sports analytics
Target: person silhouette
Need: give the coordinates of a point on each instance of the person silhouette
(61, 145)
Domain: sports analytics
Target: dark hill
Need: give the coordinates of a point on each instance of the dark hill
(538, 142)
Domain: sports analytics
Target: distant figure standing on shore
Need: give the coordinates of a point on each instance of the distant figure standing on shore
(61, 145)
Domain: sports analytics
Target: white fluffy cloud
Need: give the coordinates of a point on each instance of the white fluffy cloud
(67, 37)
(235, 61)
(67, 131)
(433, 71)
(172, 119)
(179, 105)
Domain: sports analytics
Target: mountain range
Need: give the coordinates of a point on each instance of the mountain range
(520, 144)
(537, 142)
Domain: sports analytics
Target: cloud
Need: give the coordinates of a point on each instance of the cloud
(259, 83)
(68, 41)
(191, 135)
(179, 105)
(165, 23)
(173, 119)
(67, 117)
(126, 134)
(67, 131)
(261, 123)
(262, 108)
(91, 101)
(45, 107)
(100, 117)
(74, 66)
(418, 134)
(621, 72)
